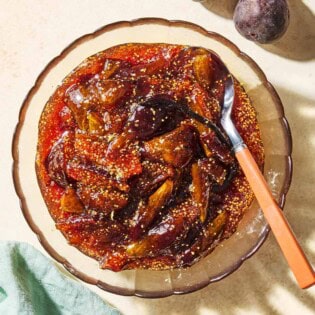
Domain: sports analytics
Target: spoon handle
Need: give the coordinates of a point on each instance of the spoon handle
(280, 227)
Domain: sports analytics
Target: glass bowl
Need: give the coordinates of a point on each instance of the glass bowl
(252, 230)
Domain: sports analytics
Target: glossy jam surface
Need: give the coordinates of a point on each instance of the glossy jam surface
(130, 178)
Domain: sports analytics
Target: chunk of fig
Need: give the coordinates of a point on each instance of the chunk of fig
(103, 200)
(96, 124)
(145, 121)
(148, 211)
(176, 147)
(200, 189)
(215, 227)
(216, 148)
(56, 161)
(214, 170)
(203, 70)
(154, 117)
(111, 67)
(96, 93)
(91, 147)
(210, 233)
(175, 224)
(153, 174)
(75, 101)
(121, 164)
(83, 229)
(70, 202)
(109, 92)
(150, 68)
(91, 174)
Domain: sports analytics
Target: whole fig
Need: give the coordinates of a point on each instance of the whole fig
(261, 21)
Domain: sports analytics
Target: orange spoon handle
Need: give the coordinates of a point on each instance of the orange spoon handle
(280, 227)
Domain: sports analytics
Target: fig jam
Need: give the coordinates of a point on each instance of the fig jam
(129, 177)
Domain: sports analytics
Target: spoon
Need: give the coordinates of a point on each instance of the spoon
(280, 227)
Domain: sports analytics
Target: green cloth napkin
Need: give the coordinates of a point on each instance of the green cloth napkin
(30, 283)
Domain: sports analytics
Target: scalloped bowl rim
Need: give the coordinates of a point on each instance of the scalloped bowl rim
(22, 113)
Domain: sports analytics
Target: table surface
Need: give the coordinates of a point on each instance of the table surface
(34, 32)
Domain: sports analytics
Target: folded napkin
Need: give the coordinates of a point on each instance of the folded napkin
(30, 283)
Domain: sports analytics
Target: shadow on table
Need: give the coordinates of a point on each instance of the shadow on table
(266, 275)
(224, 8)
(298, 43)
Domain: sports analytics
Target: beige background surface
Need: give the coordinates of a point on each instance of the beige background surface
(33, 32)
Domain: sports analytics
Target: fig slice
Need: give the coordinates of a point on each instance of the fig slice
(214, 170)
(57, 159)
(96, 94)
(91, 174)
(216, 226)
(70, 202)
(203, 70)
(153, 67)
(147, 212)
(152, 176)
(210, 232)
(176, 147)
(91, 147)
(112, 66)
(121, 163)
(103, 200)
(96, 124)
(217, 148)
(200, 189)
(160, 197)
(157, 115)
(90, 232)
(174, 225)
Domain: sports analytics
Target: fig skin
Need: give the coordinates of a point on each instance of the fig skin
(261, 21)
